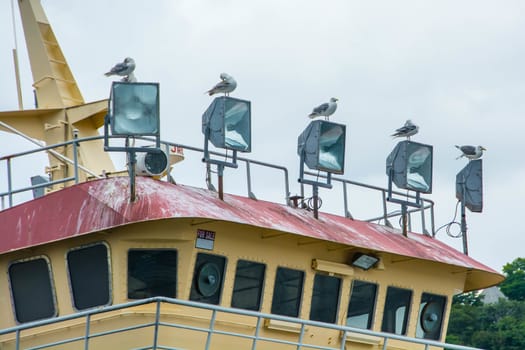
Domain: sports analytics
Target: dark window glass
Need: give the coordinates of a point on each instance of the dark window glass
(397, 308)
(208, 278)
(362, 305)
(151, 273)
(248, 285)
(287, 292)
(431, 313)
(325, 298)
(32, 290)
(89, 276)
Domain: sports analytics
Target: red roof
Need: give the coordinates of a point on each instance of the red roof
(103, 204)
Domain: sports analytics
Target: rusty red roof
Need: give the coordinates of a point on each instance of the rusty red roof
(103, 204)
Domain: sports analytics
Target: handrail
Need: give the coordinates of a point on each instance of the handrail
(249, 163)
(384, 191)
(301, 342)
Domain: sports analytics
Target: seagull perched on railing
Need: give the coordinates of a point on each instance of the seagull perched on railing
(326, 109)
(471, 152)
(407, 130)
(226, 85)
(124, 69)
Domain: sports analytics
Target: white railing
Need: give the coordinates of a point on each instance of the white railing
(426, 210)
(301, 341)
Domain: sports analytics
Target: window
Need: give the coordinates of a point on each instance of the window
(397, 308)
(32, 290)
(325, 298)
(89, 276)
(248, 285)
(287, 292)
(362, 305)
(208, 278)
(152, 272)
(431, 312)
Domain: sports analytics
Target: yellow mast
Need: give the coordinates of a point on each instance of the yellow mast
(60, 106)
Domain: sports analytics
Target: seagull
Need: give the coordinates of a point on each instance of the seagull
(124, 69)
(407, 130)
(471, 152)
(226, 85)
(326, 109)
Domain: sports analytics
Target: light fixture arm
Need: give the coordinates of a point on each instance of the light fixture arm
(404, 203)
(219, 163)
(464, 224)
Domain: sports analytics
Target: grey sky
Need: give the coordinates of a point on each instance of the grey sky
(454, 67)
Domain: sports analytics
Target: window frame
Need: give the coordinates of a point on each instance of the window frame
(51, 283)
(262, 284)
(419, 327)
(110, 274)
(152, 249)
(406, 319)
(194, 279)
(372, 313)
(338, 302)
(300, 294)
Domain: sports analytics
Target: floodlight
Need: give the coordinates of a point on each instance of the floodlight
(364, 261)
(227, 123)
(151, 163)
(134, 109)
(410, 166)
(469, 186)
(322, 144)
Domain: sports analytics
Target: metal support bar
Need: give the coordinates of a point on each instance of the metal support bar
(75, 154)
(86, 338)
(9, 183)
(464, 226)
(156, 328)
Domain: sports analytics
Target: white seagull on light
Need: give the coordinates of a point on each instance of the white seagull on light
(407, 130)
(226, 85)
(471, 152)
(124, 69)
(326, 109)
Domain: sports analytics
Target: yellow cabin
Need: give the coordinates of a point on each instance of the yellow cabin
(101, 259)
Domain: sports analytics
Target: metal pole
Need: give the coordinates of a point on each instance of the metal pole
(86, 338)
(211, 329)
(75, 154)
(220, 173)
(17, 77)
(316, 201)
(157, 320)
(464, 227)
(9, 183)
(404, 219)
(131, 172)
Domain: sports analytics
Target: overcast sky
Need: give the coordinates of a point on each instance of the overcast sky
(456, 68)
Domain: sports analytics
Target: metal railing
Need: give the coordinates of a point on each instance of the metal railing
(157, 342)
(426, 206)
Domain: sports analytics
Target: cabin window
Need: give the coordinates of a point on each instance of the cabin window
(431, 312)
(325, 298)
(248, 285)
(151, 273)
(397, 309)
(362, 305)
(208, 278)
(89, 276)
(32, 290)
(287, 292)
